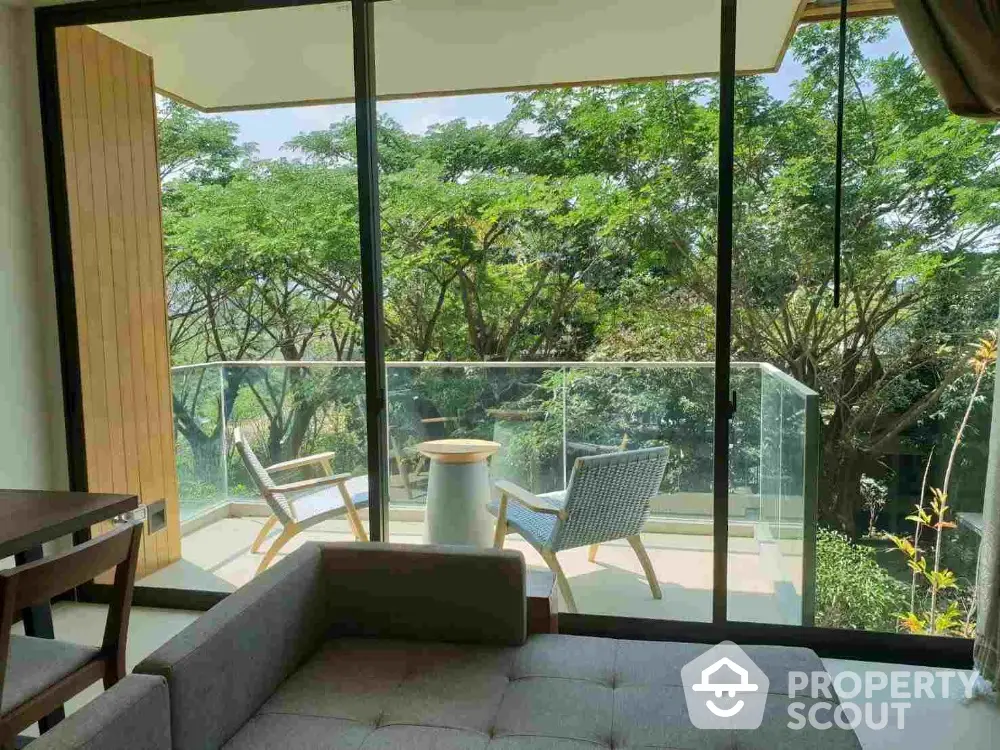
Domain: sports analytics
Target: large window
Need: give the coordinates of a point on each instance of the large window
(903, 367)
(261, 270)
(550, 274)
(550, 280)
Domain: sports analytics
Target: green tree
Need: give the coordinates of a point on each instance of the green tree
(583, 227)
(194, 147)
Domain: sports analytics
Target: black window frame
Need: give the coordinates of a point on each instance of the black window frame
(850, 644)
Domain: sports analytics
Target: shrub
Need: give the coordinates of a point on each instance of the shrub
(852, 589)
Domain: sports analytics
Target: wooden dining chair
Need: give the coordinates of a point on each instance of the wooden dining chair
(38, 675)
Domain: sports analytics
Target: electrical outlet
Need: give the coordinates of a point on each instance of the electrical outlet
(157, 516)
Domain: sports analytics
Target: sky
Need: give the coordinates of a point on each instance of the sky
(270, 129)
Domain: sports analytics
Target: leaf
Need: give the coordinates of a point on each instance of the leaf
(903, 544)
(923, 518)
(942, 579)
(912, 623)
(950, 621)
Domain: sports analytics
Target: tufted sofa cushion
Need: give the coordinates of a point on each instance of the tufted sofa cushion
(552, 693)
(380, 646)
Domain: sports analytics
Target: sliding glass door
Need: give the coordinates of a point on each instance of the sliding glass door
(228, 414)
(546, 256)
(550, 273)
(876, 390)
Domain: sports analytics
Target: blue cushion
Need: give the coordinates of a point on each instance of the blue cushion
(536, 528)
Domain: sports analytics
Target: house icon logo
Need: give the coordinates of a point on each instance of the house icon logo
(724, 689)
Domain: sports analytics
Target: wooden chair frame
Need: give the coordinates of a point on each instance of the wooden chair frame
(292, 527)
(510, 492)
(289, 530)
(37, 583)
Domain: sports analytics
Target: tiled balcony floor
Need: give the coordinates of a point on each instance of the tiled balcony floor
(218, 557)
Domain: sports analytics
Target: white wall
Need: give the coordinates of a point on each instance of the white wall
(32, 444)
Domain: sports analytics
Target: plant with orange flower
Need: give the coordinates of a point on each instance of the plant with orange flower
(947, 620)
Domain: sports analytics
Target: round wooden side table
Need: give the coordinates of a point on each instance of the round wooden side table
(458, 491)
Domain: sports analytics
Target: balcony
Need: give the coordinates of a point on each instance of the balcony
(544, 415)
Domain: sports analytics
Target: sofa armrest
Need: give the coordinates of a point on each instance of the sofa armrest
(428, 593)
(222, 667)
(133, 715)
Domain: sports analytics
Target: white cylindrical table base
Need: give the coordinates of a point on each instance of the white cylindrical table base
(458, 491)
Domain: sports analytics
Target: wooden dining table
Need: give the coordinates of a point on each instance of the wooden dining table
(28, 518)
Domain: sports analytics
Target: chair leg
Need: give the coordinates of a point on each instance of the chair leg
(404, 474)
(352, 515)
(114, 672)
(262, 535)
(500, 532)
(404, 470)
(592, 553)
(357, 526)
(286, 534)
(563, 583)
(647, 565)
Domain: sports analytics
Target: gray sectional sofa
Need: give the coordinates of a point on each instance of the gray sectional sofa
(378, 647)
(133, 715)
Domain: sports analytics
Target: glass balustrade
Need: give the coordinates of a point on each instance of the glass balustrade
(545, 415)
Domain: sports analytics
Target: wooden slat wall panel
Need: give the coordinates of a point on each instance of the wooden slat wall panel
(123, 221)
(109, 129)
(155, 288)
(137, 232)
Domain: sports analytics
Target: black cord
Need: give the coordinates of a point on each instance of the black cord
(838, 198)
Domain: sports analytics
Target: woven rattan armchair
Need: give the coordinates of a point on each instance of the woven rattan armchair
(607, 498)
(298, 505)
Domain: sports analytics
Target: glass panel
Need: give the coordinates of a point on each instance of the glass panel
(745, 454)
(200, 439)
(291, 410)
(611, 408)
(787, 484)
(263, 278)
(518, 407)
(537, 245)
(859, 401)
(780, 265)
(771, 481)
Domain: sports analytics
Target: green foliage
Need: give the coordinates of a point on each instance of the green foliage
(874, 496)
(582, 227)
(943, 620)
(192, 147)
(852, 589)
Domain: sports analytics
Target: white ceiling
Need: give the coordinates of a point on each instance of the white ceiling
(425, 47)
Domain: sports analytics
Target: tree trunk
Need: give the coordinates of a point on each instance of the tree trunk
(288, 427)
(840, 485)
(206, 448)
(304, 408)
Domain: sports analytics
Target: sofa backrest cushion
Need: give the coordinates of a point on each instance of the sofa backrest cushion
(223, 666)
(426, 593)
(133, 715)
